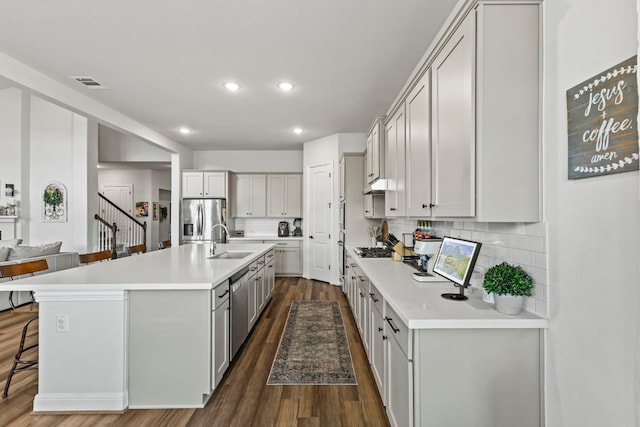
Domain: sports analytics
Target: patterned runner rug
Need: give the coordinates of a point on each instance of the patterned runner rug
(314, 348)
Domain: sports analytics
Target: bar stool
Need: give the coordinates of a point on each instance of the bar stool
(30, 309)
(95, 256)
(137, 249)
(164, 244)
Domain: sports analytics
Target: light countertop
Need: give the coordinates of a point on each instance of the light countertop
(182, 267)
(239, 239)
(420, 305)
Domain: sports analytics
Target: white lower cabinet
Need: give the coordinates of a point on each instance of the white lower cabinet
(377, 351)
(253, 298)
(446, 377)
(365, 312)
(220, 326)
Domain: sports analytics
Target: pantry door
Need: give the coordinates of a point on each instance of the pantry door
(319, 235)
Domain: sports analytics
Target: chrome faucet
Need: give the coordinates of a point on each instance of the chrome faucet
(213, 242)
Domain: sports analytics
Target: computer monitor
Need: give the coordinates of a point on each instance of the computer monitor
(455, 261)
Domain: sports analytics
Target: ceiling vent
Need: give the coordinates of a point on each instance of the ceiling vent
(89, 82)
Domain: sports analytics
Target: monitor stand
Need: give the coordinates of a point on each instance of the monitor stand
(456, 297)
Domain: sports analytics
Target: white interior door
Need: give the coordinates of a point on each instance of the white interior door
(122, 197)
(320, 222)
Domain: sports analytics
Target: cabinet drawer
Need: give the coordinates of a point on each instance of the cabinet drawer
(269, 256)
(376, 298)
(253, 267)
(260, 262)
(286, 243)
(399, 331)
(220, 294)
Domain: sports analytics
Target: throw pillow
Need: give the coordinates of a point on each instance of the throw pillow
(9, 243)
(4, 253)
(19, 252)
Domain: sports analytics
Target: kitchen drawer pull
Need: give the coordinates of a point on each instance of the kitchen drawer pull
(393, 327)
(225, 293)
(253, 268)
(393, 209)
(282, 244)
(373, 297)
(380, 329)
(384, 337)
(260, 262)
(361, 294)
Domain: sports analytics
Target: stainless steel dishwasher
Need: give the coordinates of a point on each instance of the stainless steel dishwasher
(239, 309)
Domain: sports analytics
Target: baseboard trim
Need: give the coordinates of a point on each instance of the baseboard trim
(77, 402)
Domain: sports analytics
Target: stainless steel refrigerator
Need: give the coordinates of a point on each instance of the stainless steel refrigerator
(199, 216)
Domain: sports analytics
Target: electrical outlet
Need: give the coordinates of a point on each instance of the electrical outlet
(62, 323)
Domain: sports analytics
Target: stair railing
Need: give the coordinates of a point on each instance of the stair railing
(129, 231)
(107, 240)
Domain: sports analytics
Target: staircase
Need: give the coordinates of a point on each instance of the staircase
(117, 229)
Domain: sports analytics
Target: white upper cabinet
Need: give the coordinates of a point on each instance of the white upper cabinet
(453, 142)
(472, 143)
(211, 185)
(395, 165)
(215, 185)
(374, 160)
(284, 196)
(250, 193)
(418, 147)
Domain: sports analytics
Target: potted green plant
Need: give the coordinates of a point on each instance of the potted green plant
(509, 284)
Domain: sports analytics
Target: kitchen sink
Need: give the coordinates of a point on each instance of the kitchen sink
(230, 255)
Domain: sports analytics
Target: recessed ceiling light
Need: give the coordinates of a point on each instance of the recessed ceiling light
(297, 131)
(232, 86)
(285, 86)
(185, 130)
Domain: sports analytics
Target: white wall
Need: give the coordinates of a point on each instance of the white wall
(593, 232)
(11, 148)
(59, 151)
(116, 146)
(249, 161)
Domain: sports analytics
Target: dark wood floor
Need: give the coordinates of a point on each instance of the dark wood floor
(243, 398)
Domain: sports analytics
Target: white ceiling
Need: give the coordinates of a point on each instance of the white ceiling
(165, 61)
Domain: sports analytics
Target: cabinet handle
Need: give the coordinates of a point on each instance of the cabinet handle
(424, 205)
(366, 211)
(225, 293)
(384, 337)
(393, 327)
(253, 268)
(311, 237)
(373, 297)
(361, 294)
(380, 329)
(432, 205)
(393, 209)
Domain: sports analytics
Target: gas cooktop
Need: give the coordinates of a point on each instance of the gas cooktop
(373, 252)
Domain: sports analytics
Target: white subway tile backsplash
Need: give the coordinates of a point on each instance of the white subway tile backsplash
(537, 274)
(531, 243)
(530, 304)
(481, 226)
(540, 260)
(522, 257)
(536, 229)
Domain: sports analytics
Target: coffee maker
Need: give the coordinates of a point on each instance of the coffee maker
(297, 231)
(283, 229)
(426, 249)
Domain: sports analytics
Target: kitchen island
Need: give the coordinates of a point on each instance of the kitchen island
(135, 332)
(443, 362)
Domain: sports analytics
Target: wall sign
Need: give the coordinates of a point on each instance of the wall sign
(602, 118)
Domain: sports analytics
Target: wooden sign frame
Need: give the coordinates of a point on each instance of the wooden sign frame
(602, 121)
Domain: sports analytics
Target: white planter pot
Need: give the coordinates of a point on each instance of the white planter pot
(509, 304)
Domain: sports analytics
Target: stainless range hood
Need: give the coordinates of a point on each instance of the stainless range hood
(377, 187)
